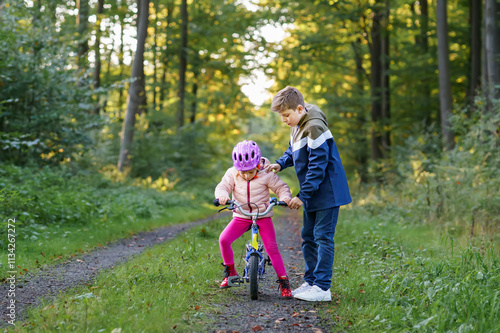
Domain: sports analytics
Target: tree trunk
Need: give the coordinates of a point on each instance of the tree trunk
(97, 50)
(121, 54)
(376, 85)
(155, 51)
(475, 51)
(137, 91)
(491, 52)
(361, 153)
(82, 22)
(445, 96)
(164, 88)
(182, 64)
(424, 27)
(385, 83)
(424, 47)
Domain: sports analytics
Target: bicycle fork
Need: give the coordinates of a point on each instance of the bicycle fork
(254, 248)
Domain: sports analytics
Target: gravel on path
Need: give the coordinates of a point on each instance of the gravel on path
(271, 312)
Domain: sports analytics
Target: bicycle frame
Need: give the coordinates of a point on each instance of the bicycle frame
(254, 247)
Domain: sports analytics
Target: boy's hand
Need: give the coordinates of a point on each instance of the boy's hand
(295, 203)
(223, 200)
(273, 167)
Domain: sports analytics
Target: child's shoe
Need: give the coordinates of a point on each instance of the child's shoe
(231, 277)
(284, 286)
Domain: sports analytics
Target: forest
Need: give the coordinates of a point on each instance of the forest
(120, 116)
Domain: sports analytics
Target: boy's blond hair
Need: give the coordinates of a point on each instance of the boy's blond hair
(287, 98)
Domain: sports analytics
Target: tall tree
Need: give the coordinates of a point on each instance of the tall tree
(475, 50)
(422, 41)
(82, 22)
(445, 96)
(137, 90)
(385, 78)
(376, 83)
(361, 153)
(182, 63)
(492, 51)
(167, 52)
(155, 51)
(97, 50)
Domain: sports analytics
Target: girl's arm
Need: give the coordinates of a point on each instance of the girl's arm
(226, 185)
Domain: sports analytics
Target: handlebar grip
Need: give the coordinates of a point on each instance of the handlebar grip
(217, 203)
(281, 203)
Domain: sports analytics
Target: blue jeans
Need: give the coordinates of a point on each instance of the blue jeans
(318, 246)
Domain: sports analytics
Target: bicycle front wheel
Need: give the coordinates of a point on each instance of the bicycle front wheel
(253, 274)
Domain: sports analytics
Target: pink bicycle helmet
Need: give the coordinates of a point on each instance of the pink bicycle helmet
(246, 155)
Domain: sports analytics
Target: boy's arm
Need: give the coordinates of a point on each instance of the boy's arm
(317, 163)
(286, 160)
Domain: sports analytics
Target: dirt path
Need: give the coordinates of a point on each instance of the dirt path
(271, 313)
(50, 281)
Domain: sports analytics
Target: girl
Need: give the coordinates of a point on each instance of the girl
(249, 183)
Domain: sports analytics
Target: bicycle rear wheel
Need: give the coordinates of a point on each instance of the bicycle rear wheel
(253, 275)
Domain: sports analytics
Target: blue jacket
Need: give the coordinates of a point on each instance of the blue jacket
(313, 152)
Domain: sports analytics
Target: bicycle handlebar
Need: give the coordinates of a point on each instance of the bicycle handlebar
(233, 205)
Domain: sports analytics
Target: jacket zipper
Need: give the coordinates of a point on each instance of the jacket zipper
(248, 195)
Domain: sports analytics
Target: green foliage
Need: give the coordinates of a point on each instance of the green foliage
(61, 210)
(44, 104)
(458, 189)
(191, 155)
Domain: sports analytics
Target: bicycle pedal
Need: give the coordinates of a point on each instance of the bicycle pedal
(234, 282)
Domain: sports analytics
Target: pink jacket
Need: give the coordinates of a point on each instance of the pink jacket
(255, 190)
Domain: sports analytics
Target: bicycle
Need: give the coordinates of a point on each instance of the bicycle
(254, 260)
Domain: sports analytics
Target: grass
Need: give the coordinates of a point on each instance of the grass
(62, 213)
(170, 287)
(388, 277)
(393, 277)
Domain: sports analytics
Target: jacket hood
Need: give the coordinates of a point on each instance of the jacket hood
(314, 114)
(263, 163)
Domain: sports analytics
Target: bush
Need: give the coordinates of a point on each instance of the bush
(55, 197)
(459, 189)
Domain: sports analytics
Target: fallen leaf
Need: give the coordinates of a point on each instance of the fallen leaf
(361, 291)
(257, 328)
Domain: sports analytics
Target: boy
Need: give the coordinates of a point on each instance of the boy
(323, 188)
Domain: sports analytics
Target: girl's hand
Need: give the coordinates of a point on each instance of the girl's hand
(223, 200)
(286, 200)
(273, 167)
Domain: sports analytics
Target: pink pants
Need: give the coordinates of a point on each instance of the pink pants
(237, 227)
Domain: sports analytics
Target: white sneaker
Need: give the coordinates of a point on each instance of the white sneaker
(304, 287)
(315, 294)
